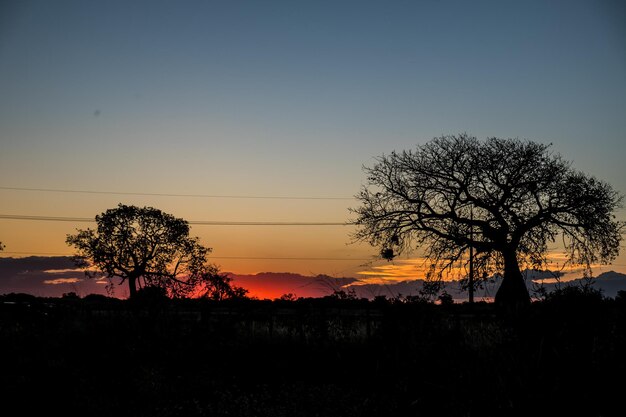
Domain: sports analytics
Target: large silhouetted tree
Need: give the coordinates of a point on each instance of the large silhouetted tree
(505, 198)
(147, 248)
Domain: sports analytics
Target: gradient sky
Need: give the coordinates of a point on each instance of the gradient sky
(285, 98)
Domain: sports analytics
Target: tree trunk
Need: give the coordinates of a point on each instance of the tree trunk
(132, 287)
(512, 297)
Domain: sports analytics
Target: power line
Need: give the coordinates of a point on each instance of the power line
(192, 222)
(236, 223)
(47, 218)
(258, 197)
(36, 253)
(252, 258)
(272, 258)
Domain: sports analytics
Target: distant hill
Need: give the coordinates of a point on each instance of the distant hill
(54, 276)
(274, 284)
(609, 282)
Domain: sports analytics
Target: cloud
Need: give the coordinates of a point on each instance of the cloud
(45, 276)
(58, 281)
(400, 270)
(415, 268)
(397, 270)
(62, 271)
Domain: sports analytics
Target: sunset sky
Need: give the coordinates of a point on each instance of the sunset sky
(265, 111)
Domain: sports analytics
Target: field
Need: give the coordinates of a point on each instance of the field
(311, 357)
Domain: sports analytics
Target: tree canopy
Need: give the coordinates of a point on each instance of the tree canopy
(507, 199)
(148, 248)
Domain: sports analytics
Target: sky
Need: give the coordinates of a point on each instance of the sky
(285, 99)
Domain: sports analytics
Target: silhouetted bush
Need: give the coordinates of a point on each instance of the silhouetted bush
(575, 294)
(152, 296)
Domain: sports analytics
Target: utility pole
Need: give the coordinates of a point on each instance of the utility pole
(471, 260)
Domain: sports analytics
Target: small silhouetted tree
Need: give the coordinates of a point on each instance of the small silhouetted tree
(446, 299)
(506, 198)
(216, 285)
(288, 297)
(145, 248)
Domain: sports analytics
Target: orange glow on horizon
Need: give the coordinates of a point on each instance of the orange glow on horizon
(417, 268)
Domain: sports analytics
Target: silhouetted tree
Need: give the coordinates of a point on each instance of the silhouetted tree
(349, 294)
(146, 248)
(288, 297)
(506, 198)
(446, 299)
(218, 286)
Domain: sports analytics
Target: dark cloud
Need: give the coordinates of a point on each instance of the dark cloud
(45, 276)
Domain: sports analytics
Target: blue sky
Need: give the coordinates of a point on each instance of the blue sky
(286, 98)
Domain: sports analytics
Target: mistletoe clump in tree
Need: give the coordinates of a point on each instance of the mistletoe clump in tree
(504, 198)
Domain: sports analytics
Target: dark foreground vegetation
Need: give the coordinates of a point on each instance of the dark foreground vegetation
(313, 357)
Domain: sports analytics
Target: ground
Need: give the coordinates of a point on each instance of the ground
(323, 357)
